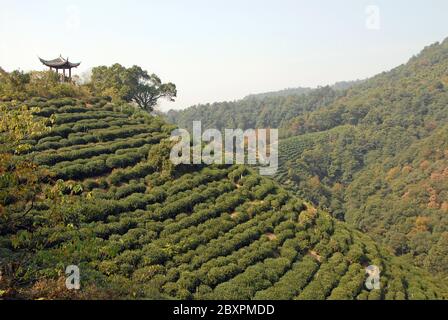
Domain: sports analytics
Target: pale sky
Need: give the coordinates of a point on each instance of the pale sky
(223, 50)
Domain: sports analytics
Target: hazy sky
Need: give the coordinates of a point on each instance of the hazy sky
(223, 50)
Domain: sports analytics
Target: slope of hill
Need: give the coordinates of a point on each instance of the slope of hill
(410, 193)
(138, 227)
(342, 148)
(351, 164)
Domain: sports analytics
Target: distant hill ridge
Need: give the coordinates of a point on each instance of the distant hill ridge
(280, 93)
(341, 85)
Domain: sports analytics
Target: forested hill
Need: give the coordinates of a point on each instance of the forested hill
(377, 157)
(110, 202)
(266, 112)
(349, 152)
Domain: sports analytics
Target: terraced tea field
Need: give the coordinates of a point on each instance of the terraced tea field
(138, 228)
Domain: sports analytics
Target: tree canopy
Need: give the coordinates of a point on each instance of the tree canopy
(131, 85)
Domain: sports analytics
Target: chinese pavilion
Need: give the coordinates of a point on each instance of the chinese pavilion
(61, 64)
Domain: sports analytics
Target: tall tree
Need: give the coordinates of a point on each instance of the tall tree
(131, 85)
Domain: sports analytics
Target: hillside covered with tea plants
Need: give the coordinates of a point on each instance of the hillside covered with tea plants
(105, 197)
(374, 154)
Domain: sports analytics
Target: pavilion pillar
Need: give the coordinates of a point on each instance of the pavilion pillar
(70, 74)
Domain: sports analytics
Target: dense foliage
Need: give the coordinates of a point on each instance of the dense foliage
(131, 85)
(269, 111)
(19, 85)
(377, 157)
(264, 110)
(19, 178)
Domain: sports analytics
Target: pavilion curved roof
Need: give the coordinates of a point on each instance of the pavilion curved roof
(60, 63)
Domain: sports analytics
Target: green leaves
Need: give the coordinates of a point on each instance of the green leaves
(131, 85)
(17, 123)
